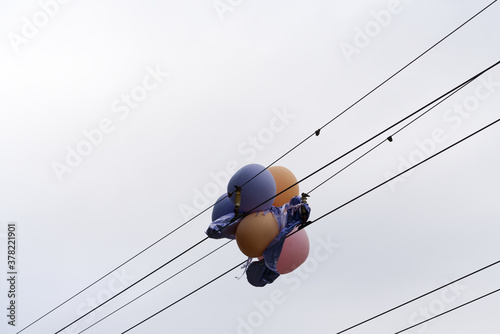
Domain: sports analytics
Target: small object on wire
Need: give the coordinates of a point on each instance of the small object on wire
(389, 138)
(304, 197)
(317, 132)
(303, 211)
(237, 200)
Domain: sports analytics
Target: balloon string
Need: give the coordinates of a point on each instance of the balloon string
(245, 267)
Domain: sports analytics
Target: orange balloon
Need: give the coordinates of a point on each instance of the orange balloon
(255, 232)
(284, 178)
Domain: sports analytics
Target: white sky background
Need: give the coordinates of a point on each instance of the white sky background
(226, 80)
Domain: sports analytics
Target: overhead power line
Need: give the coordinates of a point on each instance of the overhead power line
(321, 217)
(189, 294)
(392, 126)
(322, 183)
(154, 287)
(399, 174)
(450, 310)
(419, 297)
(390, 138)
(303, 179)
(111, 271)
(316, 132)
(132, 285)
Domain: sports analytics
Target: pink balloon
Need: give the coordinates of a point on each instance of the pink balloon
(295, 252)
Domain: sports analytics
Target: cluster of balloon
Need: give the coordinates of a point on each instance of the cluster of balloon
(257, 211)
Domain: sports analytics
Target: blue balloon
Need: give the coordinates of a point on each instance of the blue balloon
(261, 188)
(222, 207)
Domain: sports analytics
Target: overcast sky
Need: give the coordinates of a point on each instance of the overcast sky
(119, 121)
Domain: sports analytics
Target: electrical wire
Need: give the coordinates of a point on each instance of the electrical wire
(112, 270)
(412, 121)
(399, 174)
(391, 126)
(303, 179)
(132, 285)
(323, 216)
(389, 138)
(162, 282)
(189, 294)
(450, 310)
(317, 132)
(419, 297)
(448, 94)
